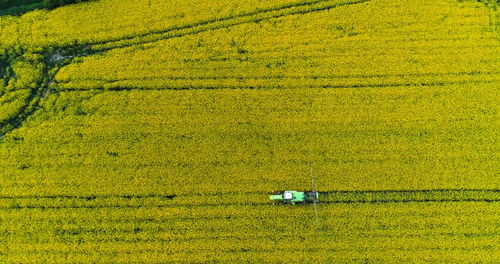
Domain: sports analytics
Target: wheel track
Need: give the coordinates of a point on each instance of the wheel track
(328, 86)
(314, 77)
(32, 104)
(225, 22)
(131, 201)
(28, 109)
(96, 207)
(172, 195)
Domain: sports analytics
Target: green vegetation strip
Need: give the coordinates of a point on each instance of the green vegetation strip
(17, 10)
(18, 7)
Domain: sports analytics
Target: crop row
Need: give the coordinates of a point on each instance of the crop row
(341, 51)
(376, 138)
(346, 232)
(222, 23)
(93, 23)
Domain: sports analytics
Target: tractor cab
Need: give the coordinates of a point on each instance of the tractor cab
(288, 196)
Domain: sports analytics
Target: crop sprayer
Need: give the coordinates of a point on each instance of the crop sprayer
(295, 197)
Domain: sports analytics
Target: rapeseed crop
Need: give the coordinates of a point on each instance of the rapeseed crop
(154, 131)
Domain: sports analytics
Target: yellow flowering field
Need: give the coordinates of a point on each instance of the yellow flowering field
(154, 132)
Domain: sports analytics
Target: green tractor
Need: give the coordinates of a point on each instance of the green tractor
(294, 197)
